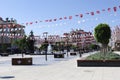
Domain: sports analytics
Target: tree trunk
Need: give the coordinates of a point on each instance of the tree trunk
(104, 51)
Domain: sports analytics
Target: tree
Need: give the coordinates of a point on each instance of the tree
(94, 46)
(3, 48)
(22, 44)
(56, 46)
(102, 35)
(30, 42)
(44, 46)
(30, 45)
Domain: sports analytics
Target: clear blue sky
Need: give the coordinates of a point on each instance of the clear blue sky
(35, 10)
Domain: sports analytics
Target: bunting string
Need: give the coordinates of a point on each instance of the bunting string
(91, 13)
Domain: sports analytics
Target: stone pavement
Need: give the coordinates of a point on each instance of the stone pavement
(63, 70)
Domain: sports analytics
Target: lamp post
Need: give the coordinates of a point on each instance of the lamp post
(67, 39)
(2, 36)
(45, 44)
(67, 46)
(79, 50)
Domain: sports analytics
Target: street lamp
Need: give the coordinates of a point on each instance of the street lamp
(67, 39)
(67, 46)
(45, 44)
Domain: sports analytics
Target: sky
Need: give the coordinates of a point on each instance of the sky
(27, 11)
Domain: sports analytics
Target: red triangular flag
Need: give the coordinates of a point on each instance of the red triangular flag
(46, 20)
(65, 17)
(115, 9)
(81, 15)
(92, 13)
(55, 19)
(31, 22)
(70, 17)
(98, 12)
(109, 9)
(50, 20)
(60, 18)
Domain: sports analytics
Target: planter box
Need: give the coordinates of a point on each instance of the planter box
(73, 54)
(58, 55)
(21, 61)
(98, 63)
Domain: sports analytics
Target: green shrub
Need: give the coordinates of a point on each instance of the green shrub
(99, 56)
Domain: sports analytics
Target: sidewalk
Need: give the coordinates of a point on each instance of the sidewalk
(63, 70)
(117, 52)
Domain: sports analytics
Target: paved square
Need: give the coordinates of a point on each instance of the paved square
(55, 69)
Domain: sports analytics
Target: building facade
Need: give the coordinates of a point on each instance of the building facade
(10, 30)
(76, 37)
(80, 38)
(115, 38)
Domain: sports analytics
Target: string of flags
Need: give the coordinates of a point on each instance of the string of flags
(21, 36)
(92, 13)
(65, 23)
(114, 9)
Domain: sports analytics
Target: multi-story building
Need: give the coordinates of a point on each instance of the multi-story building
(10, 30)
(80, 38)
(76, 37)
(115, 38)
